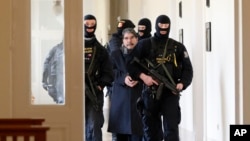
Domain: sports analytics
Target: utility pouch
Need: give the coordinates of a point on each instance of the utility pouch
(149, 100)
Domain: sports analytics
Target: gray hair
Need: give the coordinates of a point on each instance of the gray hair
(129, 30)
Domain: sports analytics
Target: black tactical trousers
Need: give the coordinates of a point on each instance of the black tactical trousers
(167, 107)
(94, 119)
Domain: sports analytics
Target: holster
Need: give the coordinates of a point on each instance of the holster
(159, 91)
(150, 102)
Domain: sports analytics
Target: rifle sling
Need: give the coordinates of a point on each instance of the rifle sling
(87, 75)
(91, 66)
(163, 56)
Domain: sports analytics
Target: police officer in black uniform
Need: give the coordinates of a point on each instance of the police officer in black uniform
(169, 59)
(144, 31)
(98, 74)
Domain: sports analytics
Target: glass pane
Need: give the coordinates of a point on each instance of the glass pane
(47, 52)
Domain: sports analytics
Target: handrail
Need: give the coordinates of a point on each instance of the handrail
(23, 128)
(20, 121)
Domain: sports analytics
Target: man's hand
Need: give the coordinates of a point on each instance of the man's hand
(99, 88)
(130, 82)
(179, 87)
(148, 80)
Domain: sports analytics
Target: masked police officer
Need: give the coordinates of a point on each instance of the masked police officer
(165, 68)
(98, 74)
(144, 31)
(144, 28)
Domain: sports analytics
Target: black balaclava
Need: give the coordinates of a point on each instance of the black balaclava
(147, 32)
(122, 24)
(89, 34)
(162, 19)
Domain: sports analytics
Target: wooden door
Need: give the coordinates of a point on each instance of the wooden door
(65, 120)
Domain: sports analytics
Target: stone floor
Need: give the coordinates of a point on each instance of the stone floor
(106, 135)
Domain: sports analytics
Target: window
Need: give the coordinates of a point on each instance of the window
(47, 52)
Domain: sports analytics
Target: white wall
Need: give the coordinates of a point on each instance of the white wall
(194, 40)
(220, 74)
(188, 22)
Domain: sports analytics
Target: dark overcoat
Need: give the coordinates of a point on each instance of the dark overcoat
(123, 117)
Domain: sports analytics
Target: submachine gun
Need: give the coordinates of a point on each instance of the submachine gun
(163, 82)
(90, 88)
